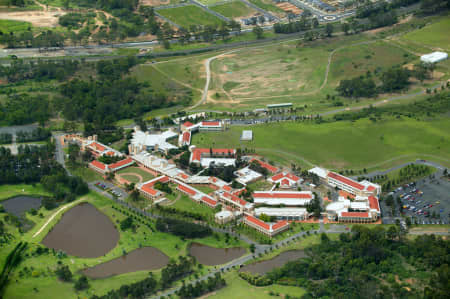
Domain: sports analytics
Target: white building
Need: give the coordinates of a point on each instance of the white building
(364, 188)
(290, 214)
(434, 57)
(144, 141)
(287, 198)
(358, 209)
(247, 175)
(247, 135)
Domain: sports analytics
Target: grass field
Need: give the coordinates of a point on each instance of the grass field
(146, 176)
(209, 2)
(434, 35)
(184, 203)
(14, 26)
(340, 145)
(189, 15)
(237, 288)
(233, 9)
(8, 191)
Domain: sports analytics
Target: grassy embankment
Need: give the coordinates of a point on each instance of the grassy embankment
(342, 145)
(234, 9)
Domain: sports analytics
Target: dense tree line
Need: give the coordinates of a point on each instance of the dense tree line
(182, 228)
(163, 210)
(393, 79)
(37, 134)
(135, 290)
(433, 105)
(12, 260)
(225, 173)
(22, 109)
(201, 287)
(176, 270)
(5, 138)
(28, 166)
(26, 39)
(352, 266)
(41, 70)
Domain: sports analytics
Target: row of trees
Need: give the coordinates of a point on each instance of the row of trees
(201, 287)
(37, 134)
(393, 79)
(182, 228)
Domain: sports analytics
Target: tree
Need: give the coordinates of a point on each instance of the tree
(252, 248)
(345, 28)
(258, 31)
(329, 29)
(82, 283)
(63, 273)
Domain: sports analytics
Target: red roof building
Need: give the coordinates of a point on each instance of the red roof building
(98, 166)
(265, 165)
(344, 183)
(267, 229)
(121, 164)
(199, 153)
(287, 198)
(286, 180)
(186, 189)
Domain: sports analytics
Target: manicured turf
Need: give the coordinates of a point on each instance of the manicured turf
(7, 191)
(209, 2)
(7, 26)
(189, 15)
(87, 174)
(184, 203)
(233, 9)
(434, 35)
(340, 145)
(146, 176)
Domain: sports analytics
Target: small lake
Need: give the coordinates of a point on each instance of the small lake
(212, 256)
(142, 259)
(83, 231)
(280, 260)
(19, 205)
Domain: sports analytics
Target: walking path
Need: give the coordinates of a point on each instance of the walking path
(69, 205)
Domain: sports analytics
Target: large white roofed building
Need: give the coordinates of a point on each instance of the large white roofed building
(144, 141)
(434, 57)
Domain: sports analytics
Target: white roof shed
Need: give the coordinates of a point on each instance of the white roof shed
(434, 57)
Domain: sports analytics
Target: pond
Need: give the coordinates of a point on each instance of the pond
(83, 231)
(19, 205)
(212, 256)
(266, 266)
(145, 258)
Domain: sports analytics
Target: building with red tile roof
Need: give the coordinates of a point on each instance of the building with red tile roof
(287, 198)
(211, 126)
(205, 156)
(265, 165)
(184, 138)
(147, 189)
(98, 166)
(268, 229)
(364, 188)
(186, 189)
(355, 217)
(286, 180)
(121, 164)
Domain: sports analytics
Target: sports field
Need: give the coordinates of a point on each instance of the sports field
(233, 9)
(135, 174)
(189, 15)
(341, 145)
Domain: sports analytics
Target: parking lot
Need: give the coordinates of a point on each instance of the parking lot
(428, 201)
(110, 188)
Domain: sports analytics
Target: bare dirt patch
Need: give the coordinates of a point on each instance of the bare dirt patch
(36, 18)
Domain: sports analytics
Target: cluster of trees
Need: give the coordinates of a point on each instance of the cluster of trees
(75, 20)
(24, 109)
(29, 165)
(182, 228)
(164, 187)
(314, 206)
(163, 210)
(127, 223)
(433, 105)
(26, 39)
(301, 25)
(64, 187)
(174, 271)
(37, 134)
(406, 174)
(393, 79)
(106, 159)
(42, 70)
(255, 279)
(254, 165)
(225, 173)
(5, 138)
(352, 266)
(202, 287)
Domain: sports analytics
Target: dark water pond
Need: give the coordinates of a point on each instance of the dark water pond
(212, 256)
(83, 231)
(266, 266)
(19, 205)
(146, 258)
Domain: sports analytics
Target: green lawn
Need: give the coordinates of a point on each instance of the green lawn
(260, 185)
(340, 145)
(86, 173)
(234, 9)
(8, 191)
(268, 5)
(237, 288)
(189, 15)
(434, 35)
(209, 2)
(7, 26)
(146, 176)
(184, 203)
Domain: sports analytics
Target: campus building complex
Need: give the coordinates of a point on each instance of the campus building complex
(286, 198)
(144, 141)
(217, 156)
(268, 229)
